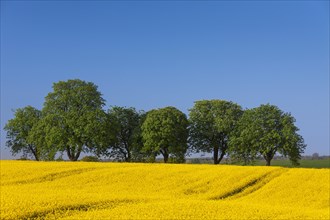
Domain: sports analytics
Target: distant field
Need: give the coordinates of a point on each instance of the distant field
(305, 163)
(81, 190)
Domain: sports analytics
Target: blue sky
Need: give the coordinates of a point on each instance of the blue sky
(153, 54)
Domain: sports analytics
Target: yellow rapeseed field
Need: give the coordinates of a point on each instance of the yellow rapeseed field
(67, 190)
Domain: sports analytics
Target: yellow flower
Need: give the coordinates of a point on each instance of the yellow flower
(73, 190)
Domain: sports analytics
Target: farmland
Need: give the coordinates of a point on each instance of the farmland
(304, 162)
(68, 190)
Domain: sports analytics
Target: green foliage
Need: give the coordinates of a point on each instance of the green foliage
(74, 120)
(165, 131)
(40, 135)
(90, 159)
(18, 132)
(137, 153)
(211, 125)
(125, 125)
(265, 131)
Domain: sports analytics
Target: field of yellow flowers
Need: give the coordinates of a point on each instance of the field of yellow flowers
(66, 190)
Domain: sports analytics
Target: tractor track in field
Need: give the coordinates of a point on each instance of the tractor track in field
(251, 186)
(61, 211)
(49, 177)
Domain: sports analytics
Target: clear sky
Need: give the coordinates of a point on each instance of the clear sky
(149, 55)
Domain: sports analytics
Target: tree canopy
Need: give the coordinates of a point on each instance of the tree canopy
(74, 118)
(265, 131)
(19, 129)
(124, 123)
(165, 131)
(73, 121)
(211, 125)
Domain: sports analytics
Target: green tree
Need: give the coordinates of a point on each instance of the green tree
(138, 154)
(18, 131)
(125, 124)
(211, 125)
(265, 131)
(165, 131)
(74, 119)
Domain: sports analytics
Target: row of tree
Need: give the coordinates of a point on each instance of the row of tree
(73, 121)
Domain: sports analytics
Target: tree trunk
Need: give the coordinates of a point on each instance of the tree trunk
(34, 152)
(165, 157)
(165, 154)
(77, 155)
(221, 156)
(128, 159)
(72, 155)
(215, 155)
(223, 149)
(268, 157)
(68, 152)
